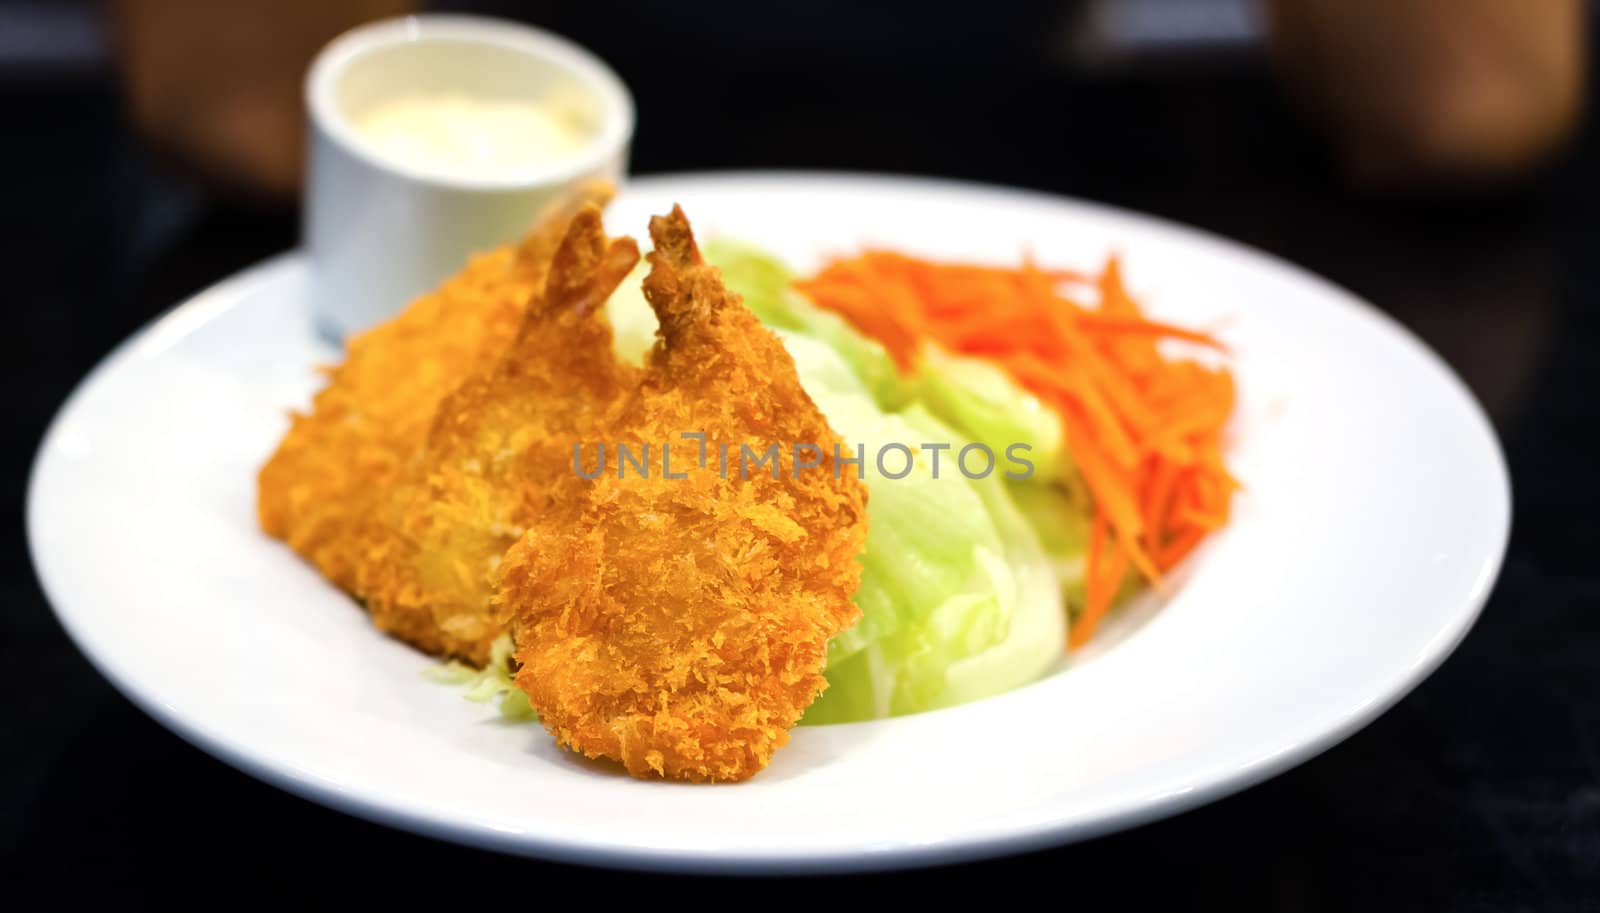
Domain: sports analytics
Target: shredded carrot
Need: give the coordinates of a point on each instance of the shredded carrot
(1143, 428)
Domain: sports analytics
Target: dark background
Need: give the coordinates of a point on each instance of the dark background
(1480, 791)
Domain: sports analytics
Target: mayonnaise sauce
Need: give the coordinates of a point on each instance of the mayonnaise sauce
(461, 136)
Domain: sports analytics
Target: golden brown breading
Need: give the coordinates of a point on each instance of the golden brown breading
(681, 625)
(497, 446)
(323, 489)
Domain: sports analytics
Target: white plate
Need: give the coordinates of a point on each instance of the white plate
(1371, 530)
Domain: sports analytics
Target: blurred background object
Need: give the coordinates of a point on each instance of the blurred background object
(218, 86)
(51, 42)
(1123, 34)
(1434, 91)
(1433, 156)
(1409, 94)
(1425, 93)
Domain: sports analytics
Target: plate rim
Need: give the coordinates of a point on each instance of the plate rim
(1207, 787)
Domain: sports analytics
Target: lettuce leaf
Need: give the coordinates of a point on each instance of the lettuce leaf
(959, 600)
(986, 405)
(1059, 513)
(960, 597)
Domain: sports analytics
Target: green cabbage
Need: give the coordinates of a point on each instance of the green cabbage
(984, 403)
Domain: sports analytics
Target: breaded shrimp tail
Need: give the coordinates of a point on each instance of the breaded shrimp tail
(496, 448)
(325, 491)
(679, 623)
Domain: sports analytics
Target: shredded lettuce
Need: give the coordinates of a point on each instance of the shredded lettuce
(493, 682)
(961, 597)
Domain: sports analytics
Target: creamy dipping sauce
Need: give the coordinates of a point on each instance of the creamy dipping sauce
(461, 136)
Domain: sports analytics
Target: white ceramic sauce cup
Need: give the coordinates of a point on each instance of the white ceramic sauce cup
(380, 233)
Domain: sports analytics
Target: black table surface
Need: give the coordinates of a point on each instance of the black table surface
(1480, 790)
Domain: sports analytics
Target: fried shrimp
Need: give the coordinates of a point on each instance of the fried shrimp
(679, 623)
(325, 489)
(497, 446)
